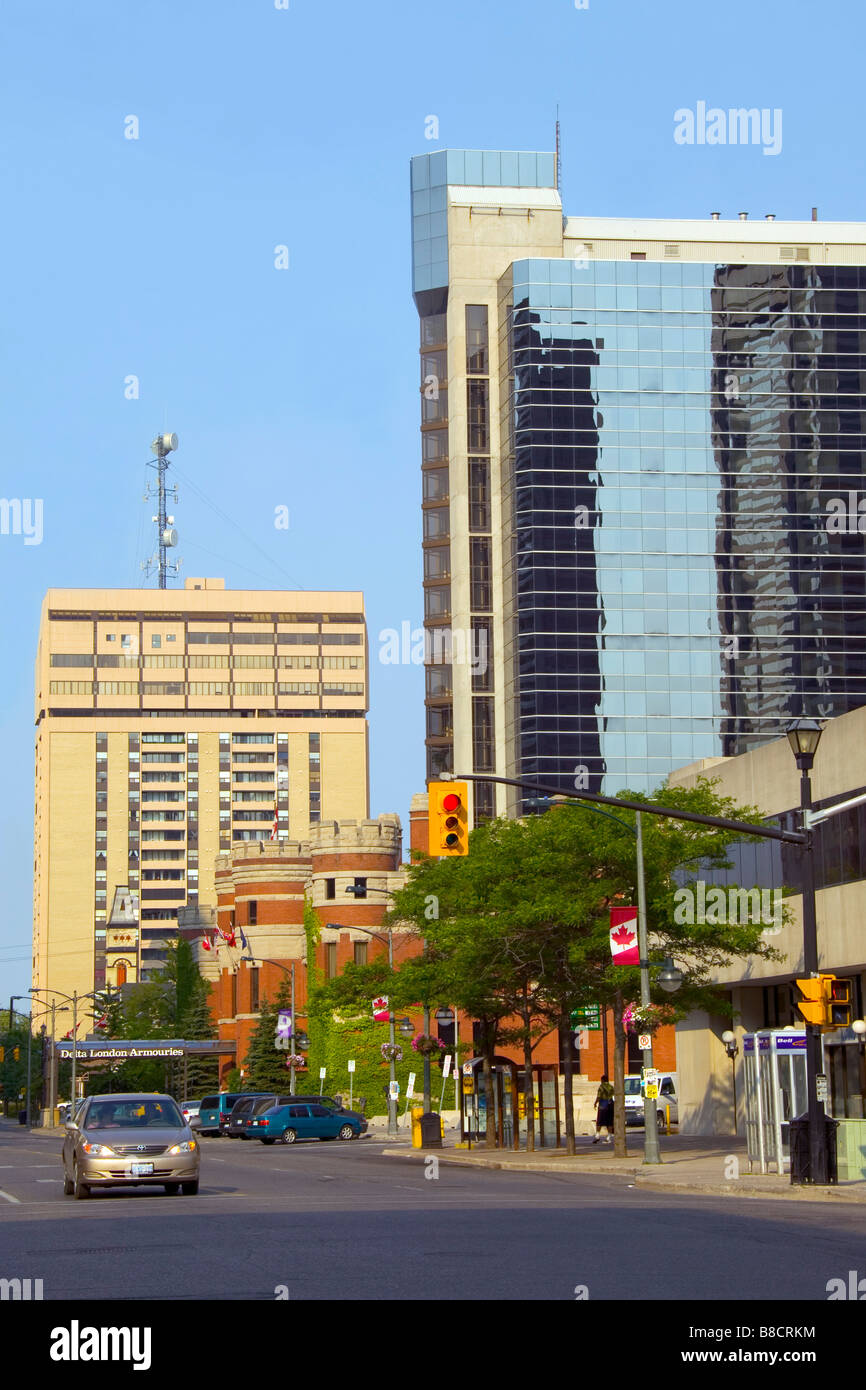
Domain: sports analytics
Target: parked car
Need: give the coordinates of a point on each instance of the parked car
(313, 1120)
(249, 1105)
(214, 1111)
(667, 1097)
(129, 1141)
(190, 1111)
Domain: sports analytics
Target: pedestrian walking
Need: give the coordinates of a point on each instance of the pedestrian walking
(604, 1111)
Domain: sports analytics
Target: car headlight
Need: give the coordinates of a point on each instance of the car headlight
(98, 1150)
(187, 1147)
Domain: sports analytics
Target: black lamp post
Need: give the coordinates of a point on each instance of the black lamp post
(804, 735)
(730, 1041)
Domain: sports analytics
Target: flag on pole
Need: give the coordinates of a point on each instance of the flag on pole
(276, 820)
(623, 936)
(206, 943)
(244, 943)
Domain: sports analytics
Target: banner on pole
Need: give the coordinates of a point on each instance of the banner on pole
(623, 936)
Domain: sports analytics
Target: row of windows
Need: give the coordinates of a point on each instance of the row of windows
(283, 639)
(203, 688)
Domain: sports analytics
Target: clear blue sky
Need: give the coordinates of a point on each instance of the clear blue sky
(259, 127)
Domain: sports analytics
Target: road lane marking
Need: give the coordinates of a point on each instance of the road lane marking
(9, 1198)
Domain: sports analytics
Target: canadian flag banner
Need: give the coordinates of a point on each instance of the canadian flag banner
(623, 936)
(207, 943)
(381, 1009)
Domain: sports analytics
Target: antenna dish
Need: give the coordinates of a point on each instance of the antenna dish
(164, 444)
(169, 536)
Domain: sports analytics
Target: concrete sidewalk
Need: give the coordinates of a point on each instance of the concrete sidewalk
(713, 1167)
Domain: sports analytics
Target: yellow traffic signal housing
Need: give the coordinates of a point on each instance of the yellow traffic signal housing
(840, 1003)
(16, 1053)
(448, 819)
(2, 1054)
(825, 1002)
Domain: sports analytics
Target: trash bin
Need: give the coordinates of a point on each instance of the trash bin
(801, 1157)
(431, 1130)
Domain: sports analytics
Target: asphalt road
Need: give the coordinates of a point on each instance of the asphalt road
(340, 1221)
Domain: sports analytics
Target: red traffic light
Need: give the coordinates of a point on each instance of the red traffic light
(451, 802)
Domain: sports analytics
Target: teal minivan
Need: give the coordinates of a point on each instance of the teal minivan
(215, 1110)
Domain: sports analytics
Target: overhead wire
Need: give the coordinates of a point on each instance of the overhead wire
(188, 482)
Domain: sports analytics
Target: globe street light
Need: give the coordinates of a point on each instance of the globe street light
(669, 977)
(804, 735)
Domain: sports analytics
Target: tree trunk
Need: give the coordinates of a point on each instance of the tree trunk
(568, 1080)
(528, 1088)
(619, 1144)
(487, 1071)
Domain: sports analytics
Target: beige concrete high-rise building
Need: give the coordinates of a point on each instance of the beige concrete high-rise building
(172, 725)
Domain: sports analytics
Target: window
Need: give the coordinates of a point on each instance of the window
(170, 637)
(476, 339)
(478, 424)
(252, 913)
(436, 523)
(110, 637)
(254, 990)
(155, 640)
(479, 495)
(330, 888)
(360, 890)
(331, 960)
(126, 641)
(480, 597)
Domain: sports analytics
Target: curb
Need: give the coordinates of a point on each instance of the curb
(740, 1187)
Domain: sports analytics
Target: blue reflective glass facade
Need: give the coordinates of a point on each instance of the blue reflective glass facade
(683, 445)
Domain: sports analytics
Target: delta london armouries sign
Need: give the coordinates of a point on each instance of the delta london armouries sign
(140, 1050)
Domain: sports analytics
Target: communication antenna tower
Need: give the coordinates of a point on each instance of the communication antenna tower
(166, 537)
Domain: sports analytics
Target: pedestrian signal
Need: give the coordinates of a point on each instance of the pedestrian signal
(825, 1002)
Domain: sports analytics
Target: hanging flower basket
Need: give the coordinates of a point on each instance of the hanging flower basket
(295, 1060)
(646, 1018)
(426, 1044)
(391, 1052)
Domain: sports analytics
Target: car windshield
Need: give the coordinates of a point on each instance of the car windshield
(133, 1114)
(632, 1085)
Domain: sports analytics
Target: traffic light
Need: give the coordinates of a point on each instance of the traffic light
(2, 1054)
(448, 819)
(825, 1001)
(16, 1053)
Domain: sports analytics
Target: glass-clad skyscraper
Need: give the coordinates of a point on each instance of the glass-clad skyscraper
(642, 471)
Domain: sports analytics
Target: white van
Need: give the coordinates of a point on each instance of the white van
(667, 1098)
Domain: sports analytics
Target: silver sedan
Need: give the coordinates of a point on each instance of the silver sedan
(129, 1141)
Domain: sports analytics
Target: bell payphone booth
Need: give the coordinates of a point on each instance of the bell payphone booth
(775, 1076)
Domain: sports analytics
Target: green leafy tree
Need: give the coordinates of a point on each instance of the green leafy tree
(521, 926)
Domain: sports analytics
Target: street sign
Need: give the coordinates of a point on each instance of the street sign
(323, 1072)
(351, 1066)
(650, 1074)
(588, 1016)
(410, 1085)
(467, 1068)
(821, 1086)
(394, 1090)
(468, 1085)
(645, 1041)
(651, 1091)
(446, 1065)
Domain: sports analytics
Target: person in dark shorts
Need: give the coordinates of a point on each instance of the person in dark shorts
(604, 1111)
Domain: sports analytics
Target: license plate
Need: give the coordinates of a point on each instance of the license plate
(141, 1170)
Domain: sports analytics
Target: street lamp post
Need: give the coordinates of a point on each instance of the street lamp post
(392, 1040)
(804, 735)
(730, 1041)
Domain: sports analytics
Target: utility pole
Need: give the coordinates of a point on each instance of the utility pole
(166, 537)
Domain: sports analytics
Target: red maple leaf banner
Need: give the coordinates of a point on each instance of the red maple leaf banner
(623, 936)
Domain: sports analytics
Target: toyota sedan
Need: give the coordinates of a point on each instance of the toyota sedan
(130, 1141)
